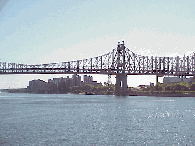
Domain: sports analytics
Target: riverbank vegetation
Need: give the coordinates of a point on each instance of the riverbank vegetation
(86, 89)
(90, 89)
(172, 89)
(19, 90)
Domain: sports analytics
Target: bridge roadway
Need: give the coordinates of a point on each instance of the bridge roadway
(120, 62)
(93, 71)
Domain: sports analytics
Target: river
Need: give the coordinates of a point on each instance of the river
(98, 120)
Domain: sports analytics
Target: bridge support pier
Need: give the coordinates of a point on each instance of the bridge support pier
(121, 88)
(156, 79)
(182, 78)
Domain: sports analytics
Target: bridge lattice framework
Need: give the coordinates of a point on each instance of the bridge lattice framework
(120, 60)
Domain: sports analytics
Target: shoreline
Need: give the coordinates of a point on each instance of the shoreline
(174, 94)
(133, 93)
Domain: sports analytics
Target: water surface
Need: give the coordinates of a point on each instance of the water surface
(67, 119)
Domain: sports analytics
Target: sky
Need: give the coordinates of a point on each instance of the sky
(47, 31)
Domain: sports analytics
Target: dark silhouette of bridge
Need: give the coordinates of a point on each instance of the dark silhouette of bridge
(121, 62)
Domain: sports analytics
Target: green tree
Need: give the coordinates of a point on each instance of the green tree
(192, 87)
(88, 88)
(169, 87)
(184, 86)
(177, 87)
(75, 89)
(159, 87)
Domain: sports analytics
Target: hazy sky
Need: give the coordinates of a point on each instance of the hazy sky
(46, 31)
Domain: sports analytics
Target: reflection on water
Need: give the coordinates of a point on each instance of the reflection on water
(65, 119)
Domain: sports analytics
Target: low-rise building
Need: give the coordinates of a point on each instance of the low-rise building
(167, 80)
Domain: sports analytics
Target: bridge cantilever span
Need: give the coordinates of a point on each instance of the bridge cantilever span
(120, 60)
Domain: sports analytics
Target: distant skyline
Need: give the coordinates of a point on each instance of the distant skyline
(46, 31)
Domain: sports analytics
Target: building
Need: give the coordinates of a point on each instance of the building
(37, 86)
(87, 79)
(50, 85)
(60, 85)
(76, 79)
(167, 80)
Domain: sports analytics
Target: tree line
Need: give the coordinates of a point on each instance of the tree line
(86, 89)
(102, 90)
(171, 87)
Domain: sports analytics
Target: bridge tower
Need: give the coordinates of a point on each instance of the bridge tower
(121, 88)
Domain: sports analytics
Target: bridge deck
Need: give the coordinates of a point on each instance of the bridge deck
(93, 71)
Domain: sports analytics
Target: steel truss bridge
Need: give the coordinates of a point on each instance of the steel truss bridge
(121, 62)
